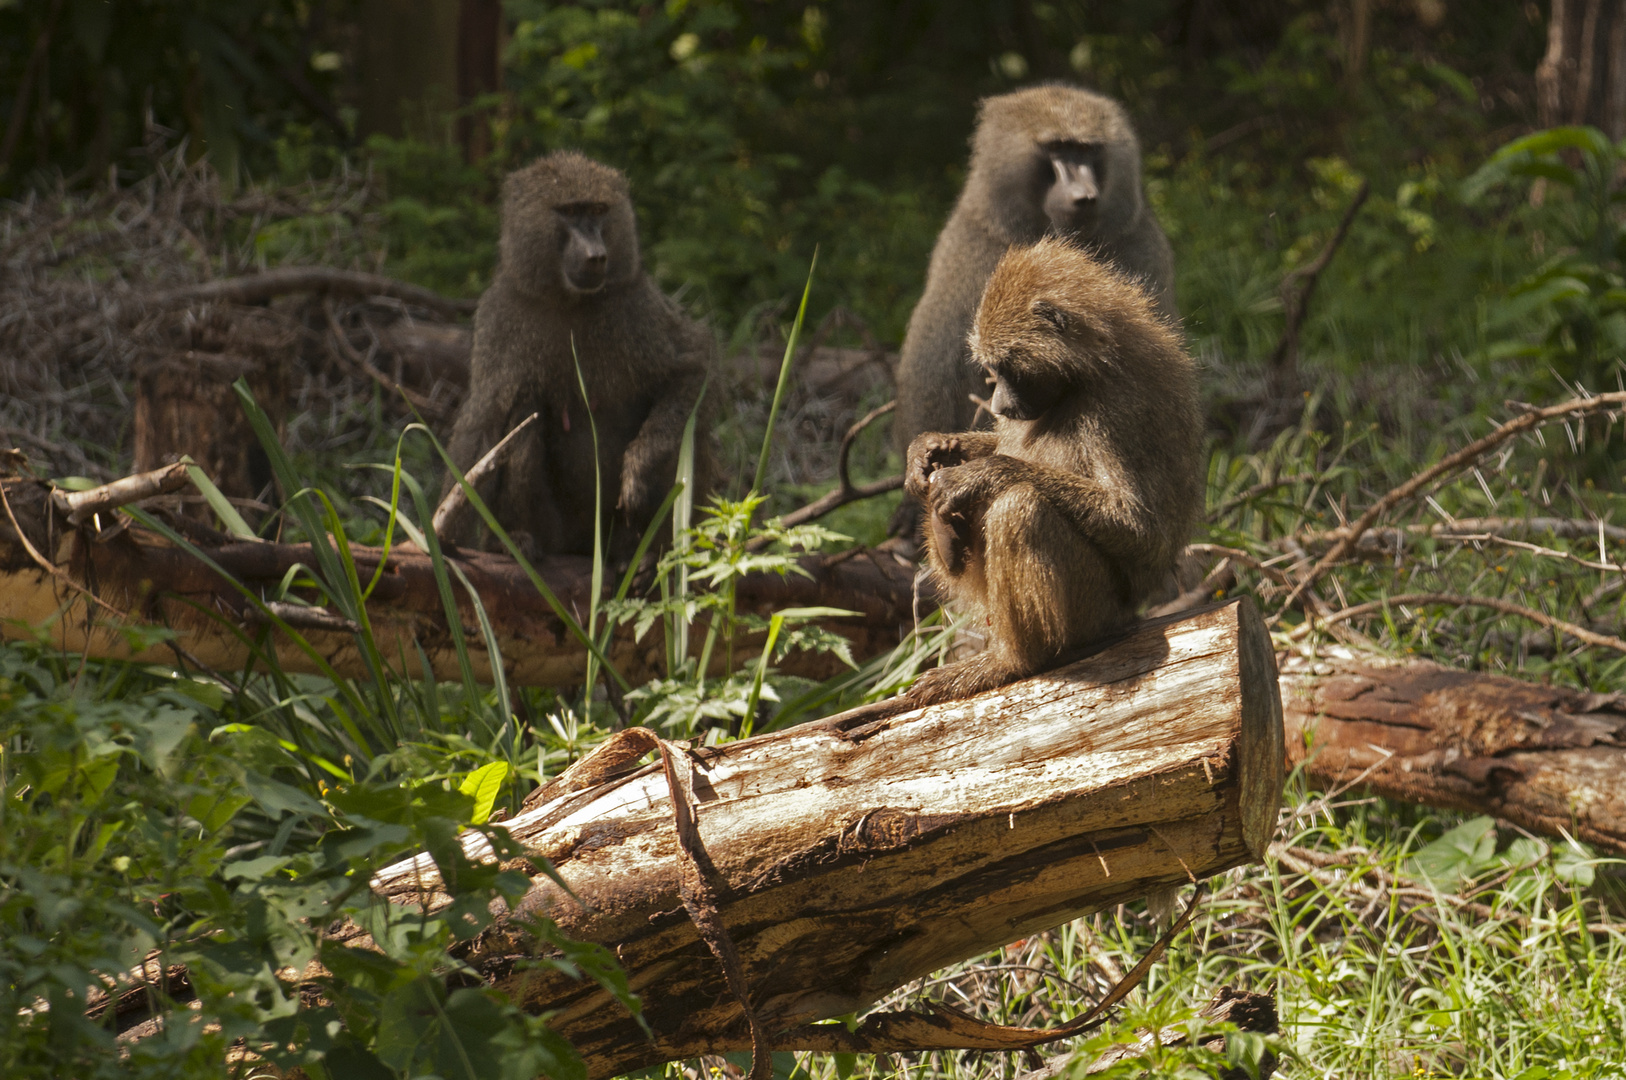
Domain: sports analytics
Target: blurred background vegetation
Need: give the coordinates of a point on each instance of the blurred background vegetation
(754, 131)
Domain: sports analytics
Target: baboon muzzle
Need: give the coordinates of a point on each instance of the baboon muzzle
(587, 260)
(1075, 181)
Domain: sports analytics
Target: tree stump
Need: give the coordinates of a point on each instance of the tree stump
(185, 405)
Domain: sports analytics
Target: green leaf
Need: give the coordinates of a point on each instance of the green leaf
(1462, 853)
(483, 786)
(1575, 864)
(213, 809)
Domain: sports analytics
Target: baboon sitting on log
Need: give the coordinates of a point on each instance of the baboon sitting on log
(1045, 161)
(1057, 524)
(570, 290)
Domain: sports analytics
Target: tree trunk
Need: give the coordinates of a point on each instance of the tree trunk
(408, 67)
(1582, 76)
(479, 70)
(1542, 757)
(851, 857)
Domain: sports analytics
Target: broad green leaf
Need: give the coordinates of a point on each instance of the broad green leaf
(1461, 853)
(483, 785)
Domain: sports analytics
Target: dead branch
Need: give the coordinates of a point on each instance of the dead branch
(450, 509)
(1580, 633)
(282, 280)
(1296, 298)
(433, 409)
(138, 575)
(80, 506)
(846, 491)
(1546, 758)
(1251, 493)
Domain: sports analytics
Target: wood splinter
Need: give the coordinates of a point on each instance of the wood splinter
(449, 514)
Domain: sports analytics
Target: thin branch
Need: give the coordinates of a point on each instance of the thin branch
(81, 506)
(1284, 360)
(252, 288)
(1390, 537)
(456, 499)
(1580, 633)
(846, 491)
(1249, 494)
(1449, 464)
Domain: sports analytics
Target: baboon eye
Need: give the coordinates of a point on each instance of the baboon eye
(1051, 314)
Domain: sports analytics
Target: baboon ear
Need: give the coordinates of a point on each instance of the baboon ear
(1051, 314)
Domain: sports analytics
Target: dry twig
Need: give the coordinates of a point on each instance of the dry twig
(1506, 607)
(451, 507)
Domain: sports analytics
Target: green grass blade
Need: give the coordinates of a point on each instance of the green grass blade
(748, 722)
(427, 540)
(224, 510)
(248, 594)
(677, 638)
(541, 586)
(594, 599)
(784, 376)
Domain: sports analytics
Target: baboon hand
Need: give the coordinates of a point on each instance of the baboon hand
(929, 454)
(957, 493)
(635, 492)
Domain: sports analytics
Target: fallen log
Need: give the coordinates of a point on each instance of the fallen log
(1546, 758)
(1541, 757)
(848, 858)
(142, 576)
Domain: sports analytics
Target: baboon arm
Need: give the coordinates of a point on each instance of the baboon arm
(1120, 527)
(657, 441)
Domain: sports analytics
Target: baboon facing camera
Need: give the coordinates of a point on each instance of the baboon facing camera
(569, 288)
(1056, 525)
(1050, 160)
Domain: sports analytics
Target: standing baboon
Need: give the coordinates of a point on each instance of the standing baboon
(569, 288)
(1049, 160)
(1054, 526)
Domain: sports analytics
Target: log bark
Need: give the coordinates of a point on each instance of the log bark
(1545, 758)
(142, 575)
(853, 859)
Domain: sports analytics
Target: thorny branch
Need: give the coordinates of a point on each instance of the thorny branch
(1350, 536)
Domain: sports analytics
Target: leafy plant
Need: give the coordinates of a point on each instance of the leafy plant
(1578, 295)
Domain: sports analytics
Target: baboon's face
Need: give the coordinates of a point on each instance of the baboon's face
(584, 258)
(1019, 395)
(1073, 175)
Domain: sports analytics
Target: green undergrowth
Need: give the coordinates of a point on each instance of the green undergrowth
(1397, 942)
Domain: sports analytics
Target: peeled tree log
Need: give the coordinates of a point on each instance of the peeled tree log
(1546, 758)
(130, 574)
(853, 855)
